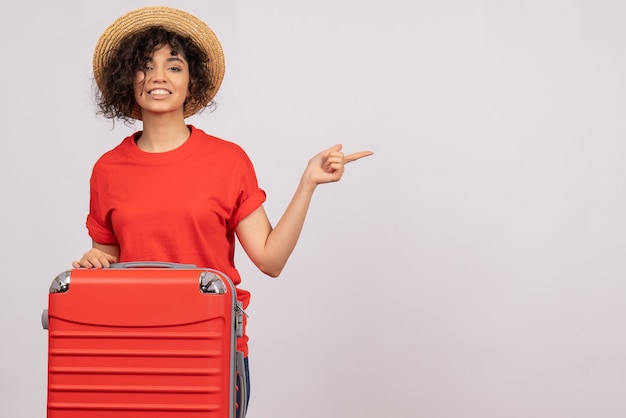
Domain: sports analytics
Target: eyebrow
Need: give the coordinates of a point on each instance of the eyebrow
(175, 58)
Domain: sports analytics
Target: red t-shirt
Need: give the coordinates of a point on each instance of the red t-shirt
(180, 206)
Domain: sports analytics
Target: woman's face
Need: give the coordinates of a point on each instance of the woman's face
(163, 86)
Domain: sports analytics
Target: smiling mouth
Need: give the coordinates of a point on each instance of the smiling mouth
(159, 92)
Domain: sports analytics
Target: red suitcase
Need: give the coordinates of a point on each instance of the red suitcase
(142, 340)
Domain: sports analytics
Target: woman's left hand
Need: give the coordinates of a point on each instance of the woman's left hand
(328, 166)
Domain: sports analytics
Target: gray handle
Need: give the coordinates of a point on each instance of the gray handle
(44, 319)
(151, 264)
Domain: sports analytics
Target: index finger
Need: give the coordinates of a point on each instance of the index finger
(355, 156)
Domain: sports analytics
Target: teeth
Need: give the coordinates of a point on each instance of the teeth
(159, 91)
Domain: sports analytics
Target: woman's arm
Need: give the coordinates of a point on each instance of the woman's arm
(100, 255)
(269, 248)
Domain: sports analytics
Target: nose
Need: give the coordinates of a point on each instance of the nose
(156, 75)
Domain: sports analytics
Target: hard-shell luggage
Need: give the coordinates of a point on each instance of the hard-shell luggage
(142, 340)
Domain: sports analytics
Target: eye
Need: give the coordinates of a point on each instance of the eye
(175, 69)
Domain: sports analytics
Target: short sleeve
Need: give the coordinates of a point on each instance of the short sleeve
(250, 197)
(253, 202)
(98, 220)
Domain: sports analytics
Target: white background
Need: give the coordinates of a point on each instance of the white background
(473, 267)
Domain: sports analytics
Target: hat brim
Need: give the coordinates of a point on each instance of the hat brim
(174, 20)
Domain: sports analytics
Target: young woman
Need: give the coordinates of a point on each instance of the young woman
(171, 192)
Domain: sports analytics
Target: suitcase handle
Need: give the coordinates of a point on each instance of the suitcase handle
(151, 264)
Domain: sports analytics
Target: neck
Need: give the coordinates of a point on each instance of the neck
(163, 134)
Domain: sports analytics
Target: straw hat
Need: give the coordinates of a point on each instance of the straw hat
(175, 20)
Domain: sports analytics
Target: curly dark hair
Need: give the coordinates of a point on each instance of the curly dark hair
(116, 98)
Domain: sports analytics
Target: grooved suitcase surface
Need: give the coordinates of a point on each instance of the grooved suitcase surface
(139, 343)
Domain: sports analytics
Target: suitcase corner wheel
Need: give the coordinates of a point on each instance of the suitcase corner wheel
(60, 284)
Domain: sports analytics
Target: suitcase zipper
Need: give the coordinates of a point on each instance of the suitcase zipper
(239, 314)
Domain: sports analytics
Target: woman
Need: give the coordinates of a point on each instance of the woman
(172, 192)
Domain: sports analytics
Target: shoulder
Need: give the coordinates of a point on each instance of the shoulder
(224, 148)
(117, 155)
